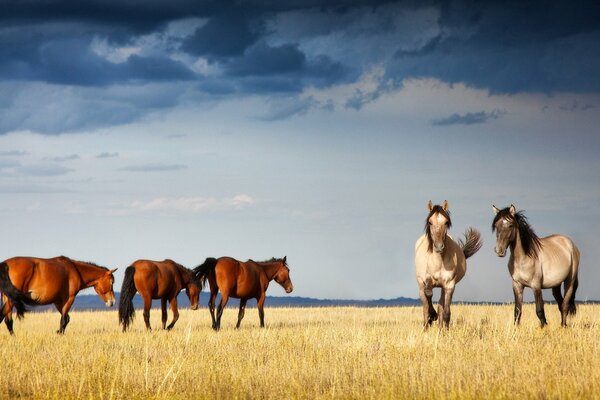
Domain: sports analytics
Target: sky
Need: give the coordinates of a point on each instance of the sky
(312, 129)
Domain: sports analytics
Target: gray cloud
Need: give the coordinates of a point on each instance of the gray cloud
(63, 158)
(42, 170)
(468, 118)
(153, 167)
(107, 155)
(13, 153)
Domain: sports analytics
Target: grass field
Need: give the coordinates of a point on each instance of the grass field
(306, 353)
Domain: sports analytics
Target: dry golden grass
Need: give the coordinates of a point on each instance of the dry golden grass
(306, 353)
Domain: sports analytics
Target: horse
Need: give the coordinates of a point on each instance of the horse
(441, 262)
(156, 280)
(40, 281)
(537, 263)
(242, 280)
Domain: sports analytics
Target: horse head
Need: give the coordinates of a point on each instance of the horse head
(505, 225)
(192, 290)
(282, 276)
(104, 287)
(436, 226)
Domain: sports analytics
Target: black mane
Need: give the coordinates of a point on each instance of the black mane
(529, 240)
(436, 209)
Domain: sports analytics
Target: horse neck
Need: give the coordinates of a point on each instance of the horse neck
(270, 268)
(186, 274)
(88, 272)
(516, 247)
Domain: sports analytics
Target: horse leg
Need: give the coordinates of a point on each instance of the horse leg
(163, 309)
(569, 292)
(241, 312)
(222, 304)
(442, 306)
(147, 305)
(64, 311)
(447, 294)
(7, 314)
(558, 297)
(175, 312)
(518, 291)
(211, 304)
(539, 306)
(429, 314)
(261, 311)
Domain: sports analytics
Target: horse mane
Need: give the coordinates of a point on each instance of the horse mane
(436, 209)
(271, 260)
(529, 240)
(189, 272)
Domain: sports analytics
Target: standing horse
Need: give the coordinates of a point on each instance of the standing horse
(441, 262)
(538, 263)
(156, 280)
(242, 280)
(39, 281)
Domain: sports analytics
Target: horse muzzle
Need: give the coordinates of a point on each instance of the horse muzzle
(194, 306)
(499, 252)
(110, 302)
(438, 247)
(290, 289)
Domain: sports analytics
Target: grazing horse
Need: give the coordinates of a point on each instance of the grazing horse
(441, 262)
(156, 280)
(242, 280)
(39, 281)
(538, 263)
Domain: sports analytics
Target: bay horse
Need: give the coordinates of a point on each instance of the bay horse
(40, 281)
(441, 262)
(156, 280)
(537, 263)
(242, 280)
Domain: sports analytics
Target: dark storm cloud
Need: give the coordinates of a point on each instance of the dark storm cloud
(468, 118)
(272, 48)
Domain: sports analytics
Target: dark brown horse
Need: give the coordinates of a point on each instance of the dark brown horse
(156, 280)
(39, 281)
(242, 280)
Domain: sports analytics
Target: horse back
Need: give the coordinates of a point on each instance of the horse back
(45, 279)
(239, 279)
(158, 278)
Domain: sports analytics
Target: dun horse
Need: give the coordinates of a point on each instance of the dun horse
(156, 280)
(441, 262)
(538, 263)
(242, 280)
(38, 281)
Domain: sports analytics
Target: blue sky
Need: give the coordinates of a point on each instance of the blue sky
(313, 129)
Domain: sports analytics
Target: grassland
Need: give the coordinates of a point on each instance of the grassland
(346, 353)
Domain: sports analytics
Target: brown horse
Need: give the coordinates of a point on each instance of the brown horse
(242, 280)
(156, 280)
(39, 281)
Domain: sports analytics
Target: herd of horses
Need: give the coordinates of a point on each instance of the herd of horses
(441, 262)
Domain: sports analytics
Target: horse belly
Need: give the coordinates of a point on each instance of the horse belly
(555, 276)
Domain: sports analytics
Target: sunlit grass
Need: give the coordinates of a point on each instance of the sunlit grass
(306, 353)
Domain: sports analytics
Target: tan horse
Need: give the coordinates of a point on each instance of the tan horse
(441, 262)
(537, 263)
(39, 281)
(156, 280)
(242, 280)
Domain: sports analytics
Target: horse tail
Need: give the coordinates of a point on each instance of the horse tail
(126, 310)
(572, 305)
(202, 271)
(472, 242)
(19, 299)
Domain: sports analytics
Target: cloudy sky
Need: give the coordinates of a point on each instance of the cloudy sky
(313, 129)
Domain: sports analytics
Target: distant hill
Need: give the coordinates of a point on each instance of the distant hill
(93, 302)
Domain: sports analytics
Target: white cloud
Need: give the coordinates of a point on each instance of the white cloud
(190, 205)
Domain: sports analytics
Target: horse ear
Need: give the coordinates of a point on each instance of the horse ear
(284, 259)
(112, 271)
(445, 205)
(429, 206)
(496, 209)
(512, 210)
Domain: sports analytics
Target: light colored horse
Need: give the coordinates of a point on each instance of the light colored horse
(441, 262)
(537, 263)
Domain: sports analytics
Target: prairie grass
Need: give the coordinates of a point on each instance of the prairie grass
(306, 353)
